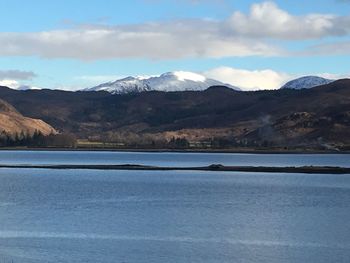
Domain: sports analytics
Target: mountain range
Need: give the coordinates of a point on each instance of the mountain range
(188, 81)
(170, 81)
(308, 118)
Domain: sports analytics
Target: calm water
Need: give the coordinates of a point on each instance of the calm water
(171, 159)
(147, 216)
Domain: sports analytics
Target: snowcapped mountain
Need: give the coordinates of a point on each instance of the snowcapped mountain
(306, 82)
(171, 81)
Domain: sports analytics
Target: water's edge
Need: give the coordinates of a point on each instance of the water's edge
(213, 167)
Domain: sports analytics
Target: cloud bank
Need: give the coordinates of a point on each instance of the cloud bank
(174, 40)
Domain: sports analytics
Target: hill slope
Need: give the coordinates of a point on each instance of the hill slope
(12, 122)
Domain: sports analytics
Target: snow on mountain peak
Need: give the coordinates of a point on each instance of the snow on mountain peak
(170, 81)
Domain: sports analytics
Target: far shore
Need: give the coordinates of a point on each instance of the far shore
(213, 167)
(233, 150)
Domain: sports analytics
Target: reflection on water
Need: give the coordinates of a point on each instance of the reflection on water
(173, 216)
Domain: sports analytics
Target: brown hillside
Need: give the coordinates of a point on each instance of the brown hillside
(12, 122)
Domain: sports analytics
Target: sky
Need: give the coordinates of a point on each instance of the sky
(76, 44)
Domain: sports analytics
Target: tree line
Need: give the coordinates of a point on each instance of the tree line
(37, 139)
(125, 140)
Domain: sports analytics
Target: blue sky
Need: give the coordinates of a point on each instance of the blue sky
(251, 44)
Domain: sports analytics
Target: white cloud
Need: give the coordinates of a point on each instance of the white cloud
(267, 20)
(13, 84)
(249, 80)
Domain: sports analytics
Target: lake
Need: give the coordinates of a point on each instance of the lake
(172, 216)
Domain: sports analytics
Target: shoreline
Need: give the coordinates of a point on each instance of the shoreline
(238, 151)
(213, 167)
